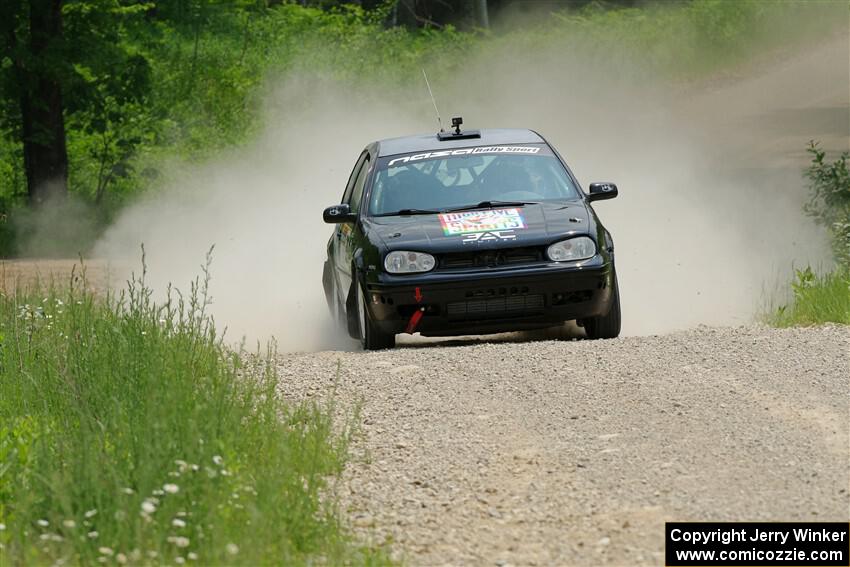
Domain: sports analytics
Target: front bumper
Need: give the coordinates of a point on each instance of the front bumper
(491, 301)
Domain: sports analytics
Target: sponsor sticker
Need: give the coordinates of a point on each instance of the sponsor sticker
(488, 236)
(491, 220)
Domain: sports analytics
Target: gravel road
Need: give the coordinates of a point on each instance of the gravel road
(552, 452)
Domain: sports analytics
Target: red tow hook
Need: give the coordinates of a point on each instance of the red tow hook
(414, 320)
(417, 315)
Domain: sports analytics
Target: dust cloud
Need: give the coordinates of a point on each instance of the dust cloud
(708, 219)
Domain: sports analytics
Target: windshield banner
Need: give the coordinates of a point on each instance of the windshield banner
(466, 222)
(465, 152)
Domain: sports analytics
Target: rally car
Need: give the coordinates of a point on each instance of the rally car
(468, 232)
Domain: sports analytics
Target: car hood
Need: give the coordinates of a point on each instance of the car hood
(540, 224)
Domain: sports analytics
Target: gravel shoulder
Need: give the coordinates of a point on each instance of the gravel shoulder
(576, 452)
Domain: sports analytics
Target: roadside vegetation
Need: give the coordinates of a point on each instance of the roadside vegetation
(823, 298)
(130, 434)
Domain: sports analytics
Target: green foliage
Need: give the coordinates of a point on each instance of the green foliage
(829, 202)
(824, 298)
(816, 299)
(689, 39)
(148, 82)
(127, 427)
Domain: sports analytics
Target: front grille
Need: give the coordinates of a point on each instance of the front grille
(495, 307)
(490, 258)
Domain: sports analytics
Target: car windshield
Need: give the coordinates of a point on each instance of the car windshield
(442, 180)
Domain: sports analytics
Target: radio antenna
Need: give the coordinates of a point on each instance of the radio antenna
(433, 100)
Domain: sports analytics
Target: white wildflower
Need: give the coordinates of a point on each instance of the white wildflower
(148, 507)
(218, 460)
(43, 523)
(171, 488)
(192, 556)
(128, 491)
(90, 513)
(178, 523)
(232, 548)
(92, 534)
(121, 558)
(56, 537)
(105, 551)
(152, 554)
(69, 523)
(157, 492)
(44, 537)
(179, 560)
(195, 468)
(179, 541)
(2, 527)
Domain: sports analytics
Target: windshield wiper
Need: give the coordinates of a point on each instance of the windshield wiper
(406, 212)
(490, 205)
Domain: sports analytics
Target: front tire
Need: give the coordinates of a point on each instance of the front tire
(371, 337)
(606, 326)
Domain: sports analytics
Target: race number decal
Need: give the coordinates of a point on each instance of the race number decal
(467, 222)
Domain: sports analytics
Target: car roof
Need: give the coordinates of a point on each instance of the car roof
(430, 142)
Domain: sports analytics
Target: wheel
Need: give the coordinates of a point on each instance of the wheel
(606, 326)
(371, 337)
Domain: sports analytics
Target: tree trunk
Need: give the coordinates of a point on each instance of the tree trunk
(482, 13)
(42, 120)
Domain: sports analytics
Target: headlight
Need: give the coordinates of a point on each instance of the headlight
(404, 262)
(579, 248)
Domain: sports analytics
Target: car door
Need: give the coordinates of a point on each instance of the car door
(345, 232)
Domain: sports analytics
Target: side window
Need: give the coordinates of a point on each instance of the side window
(346, 197)
(357, 193)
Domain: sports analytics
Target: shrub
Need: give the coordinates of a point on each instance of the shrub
(829, 202)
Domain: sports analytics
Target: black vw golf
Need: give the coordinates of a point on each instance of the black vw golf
(468, 232)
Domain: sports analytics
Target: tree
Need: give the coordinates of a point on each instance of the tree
(33, 46)
(97, 83)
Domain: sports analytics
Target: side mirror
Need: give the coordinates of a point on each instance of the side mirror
(338, 214)
(602, 191)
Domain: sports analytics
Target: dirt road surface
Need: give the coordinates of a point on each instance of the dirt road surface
(26, 273)
(576, 452)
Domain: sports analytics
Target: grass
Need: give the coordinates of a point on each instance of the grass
(816, 299)
(129, 433)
